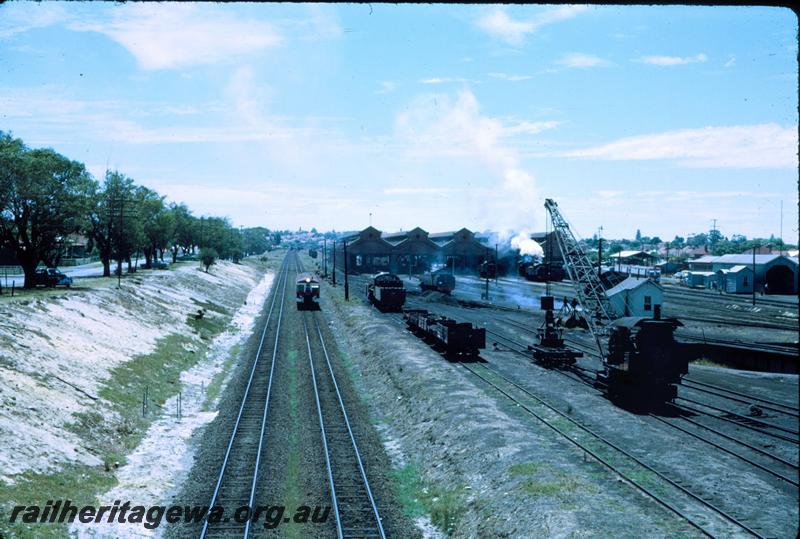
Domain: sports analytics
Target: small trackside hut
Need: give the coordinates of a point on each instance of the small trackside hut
(307, 292)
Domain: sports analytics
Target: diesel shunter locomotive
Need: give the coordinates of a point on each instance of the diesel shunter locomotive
(307, 291)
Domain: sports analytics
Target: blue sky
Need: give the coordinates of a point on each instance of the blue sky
(442, 116)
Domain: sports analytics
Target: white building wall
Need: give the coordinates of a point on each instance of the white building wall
(631, 302)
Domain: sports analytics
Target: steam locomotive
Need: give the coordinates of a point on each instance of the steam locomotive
(386, 291)
(439, 281)
(644, 362)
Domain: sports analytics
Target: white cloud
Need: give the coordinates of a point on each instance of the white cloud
(173, 36)
(497, 23)
(731, 62)
(443, 80)
(20, 17)
(580, 60)
(672, 60)
(530, 128)
(442, 126)
(743, 146)
(513, 78)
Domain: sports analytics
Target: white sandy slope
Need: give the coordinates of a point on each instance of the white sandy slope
(79, 337)
(158, 466)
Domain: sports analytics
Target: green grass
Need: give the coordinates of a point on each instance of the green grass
(78, 484)
(208, 326)
(210, 306)
(552, 482)
(444, 506)
(525, 468)
(293, 491)
(708, 363)
(111, 439)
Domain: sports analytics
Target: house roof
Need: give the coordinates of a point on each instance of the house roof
(740, 259)
(629, 284)
(737, 269)
(627, 254)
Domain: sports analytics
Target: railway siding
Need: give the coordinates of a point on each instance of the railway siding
(493, 471)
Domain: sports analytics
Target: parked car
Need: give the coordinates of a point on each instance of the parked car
(51, 278)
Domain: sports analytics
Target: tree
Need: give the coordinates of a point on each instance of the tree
(45, 197)
(677, 242)
(208, 255)
(254, 240)
(111, 219)
(158, 225)
(698, 240)
(185, 230)
(715, 236)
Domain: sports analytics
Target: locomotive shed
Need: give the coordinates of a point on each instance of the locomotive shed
(736, 471)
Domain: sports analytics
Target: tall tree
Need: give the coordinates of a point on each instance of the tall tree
(155, 232)
(107, 215)
(185, 227)
(45, 197)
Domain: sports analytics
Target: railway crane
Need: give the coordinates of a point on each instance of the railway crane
(642, 363)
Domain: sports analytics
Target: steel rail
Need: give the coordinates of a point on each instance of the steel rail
(597, 457)
(284, 276)
(747, 418)
(734, 422)
(726, 450)
(579, 378)
(745, 395)
(737, 399)
(694, 496)
(350, 433)
(356, 451)
(328, 469)
(251, 502)
(710, 442)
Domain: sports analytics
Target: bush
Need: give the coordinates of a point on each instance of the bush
(208, 256)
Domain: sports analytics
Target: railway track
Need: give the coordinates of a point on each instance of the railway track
(762, 460)
(765, 461)
(237, 481)
(352, 499)
(241, 476)
(693, 506)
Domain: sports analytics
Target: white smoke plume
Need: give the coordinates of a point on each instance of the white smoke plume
(526, 245)
(453, 126)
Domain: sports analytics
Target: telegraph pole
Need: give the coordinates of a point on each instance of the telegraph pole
(495, 264)
(119, 260)
(781, 227)
(334, 262)
(346, 284)
(325, 256)
(487, 273)
(754, 274)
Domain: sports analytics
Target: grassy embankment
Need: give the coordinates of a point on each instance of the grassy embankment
(112, 439)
